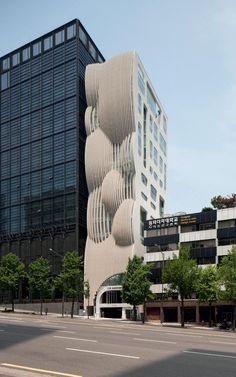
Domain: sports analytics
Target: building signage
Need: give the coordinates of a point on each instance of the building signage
(188, 219)
(165, 222)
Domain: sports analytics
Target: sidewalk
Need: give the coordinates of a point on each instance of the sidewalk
(101, 319)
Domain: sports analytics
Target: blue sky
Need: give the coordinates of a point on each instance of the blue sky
(188, 50)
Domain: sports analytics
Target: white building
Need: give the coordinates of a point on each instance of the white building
(126, 165)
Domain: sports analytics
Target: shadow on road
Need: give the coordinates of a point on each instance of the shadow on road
(12, 334)
(189, 363)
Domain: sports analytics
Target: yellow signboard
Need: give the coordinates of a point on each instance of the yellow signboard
(188, 219)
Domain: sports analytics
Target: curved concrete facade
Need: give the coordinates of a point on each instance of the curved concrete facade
(113, 169)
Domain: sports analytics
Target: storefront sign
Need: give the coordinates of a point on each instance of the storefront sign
(165, 222)
(188, 219)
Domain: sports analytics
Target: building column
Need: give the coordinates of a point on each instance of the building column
(197, 314)
(161, 313)
(123, 315)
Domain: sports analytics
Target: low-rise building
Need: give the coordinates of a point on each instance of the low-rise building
(210, 235)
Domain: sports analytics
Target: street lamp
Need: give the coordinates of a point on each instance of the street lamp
(54, 252)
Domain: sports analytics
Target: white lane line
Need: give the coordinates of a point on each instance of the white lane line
(103, 353)
(13, 320)
(70, 338)
(2, 330)
(106, 327)
(124, 333)
(66, 331)
(215, 341)
(193, 336)
(210, 354)
(6, 317)
(154, 341)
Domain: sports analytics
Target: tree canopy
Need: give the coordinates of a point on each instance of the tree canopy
(71, 277)
(207, 286)
(38, 275)
(227, 272)
(12, 271)
(223, 201)
(136, 284)
(180, 275)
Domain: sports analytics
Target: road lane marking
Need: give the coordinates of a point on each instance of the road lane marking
(216, 342)
(6, 317)
(210, 354)
(154, 341)
(13, 320)
(51, 328)
(68, 337)
(103, 353)
(66, 331)
(108, 327)
(193, 336)
(39, 370)
(123, 333)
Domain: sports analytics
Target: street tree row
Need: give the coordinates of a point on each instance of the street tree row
(40, 280)
(183, 276)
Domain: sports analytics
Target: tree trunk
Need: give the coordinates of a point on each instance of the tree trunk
(88, 309)
(41, 304)
(144, 312)
(63, 304)
(233, 321)
(12, 301)
(182, 312)
(135, 312)
(210, 312)
(72, 307)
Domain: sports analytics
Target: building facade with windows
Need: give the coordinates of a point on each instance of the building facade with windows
(210, 235)
(126, 165)
(42, 140)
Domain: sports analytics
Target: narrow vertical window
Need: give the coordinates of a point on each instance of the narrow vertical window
(15, 59)
(47, 43)
(59, 37)
(71, 31)
(36, 48)
(6, 64)
(144, 136)
(155, 155)
(139, 139)
(5, 81)
(26, 54)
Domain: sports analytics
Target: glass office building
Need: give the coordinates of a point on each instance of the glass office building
(42, 139)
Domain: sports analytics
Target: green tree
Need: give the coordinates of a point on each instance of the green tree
(71, 276)
(207, 287)
(136, 285)
(87, 294)
(224, 201)
(180, 275)
(59, 282)
(38, 276)
(12, 271)
(227, 273)
(217, 201)
(207, 209)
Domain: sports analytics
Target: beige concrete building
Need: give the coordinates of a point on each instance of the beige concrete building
(126, 167)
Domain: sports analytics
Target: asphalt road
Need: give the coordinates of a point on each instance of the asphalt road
(32, 346)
